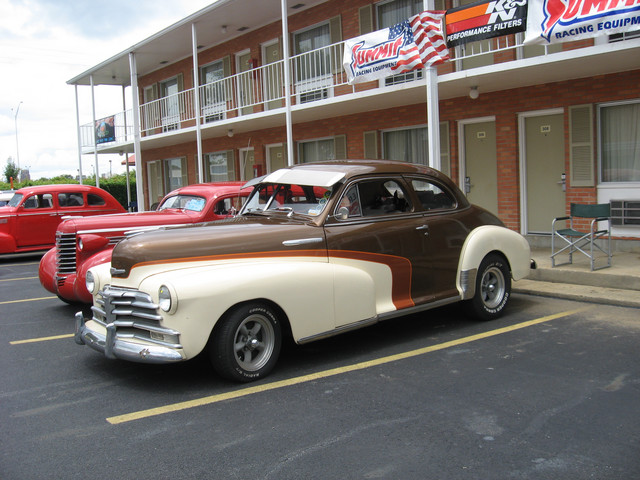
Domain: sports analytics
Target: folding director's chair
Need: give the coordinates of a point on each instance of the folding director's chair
(576, 240)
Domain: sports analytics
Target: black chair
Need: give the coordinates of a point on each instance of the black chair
(574, 240)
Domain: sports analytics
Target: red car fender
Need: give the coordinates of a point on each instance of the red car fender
(79, 287)
(47, 271)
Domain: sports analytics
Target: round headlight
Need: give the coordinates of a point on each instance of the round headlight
(90, 282)
(164, 298)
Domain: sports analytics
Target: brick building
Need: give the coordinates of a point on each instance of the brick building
(524, 130)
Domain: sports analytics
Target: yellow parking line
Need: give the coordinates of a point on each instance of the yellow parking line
(27, 300)
(41, 339)
(12, 279)
(328, 373)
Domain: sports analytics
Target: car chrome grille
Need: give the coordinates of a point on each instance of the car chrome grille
(65, 253)
(133, 313)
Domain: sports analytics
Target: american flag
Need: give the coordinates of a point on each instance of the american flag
(424, 43)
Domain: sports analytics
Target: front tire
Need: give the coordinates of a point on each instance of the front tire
(246, 344)
(493, 288)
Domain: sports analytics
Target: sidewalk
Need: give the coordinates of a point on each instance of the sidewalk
(616, 285)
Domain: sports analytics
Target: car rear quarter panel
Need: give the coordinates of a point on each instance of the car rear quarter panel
(489, 238)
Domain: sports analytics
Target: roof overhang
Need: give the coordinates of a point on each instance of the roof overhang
(216, 24)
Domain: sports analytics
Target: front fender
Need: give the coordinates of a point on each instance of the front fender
(7, 243)
(305, 291)
(484, 240)
(47, 271)
(84, 264)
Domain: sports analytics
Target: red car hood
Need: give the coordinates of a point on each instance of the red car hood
(126, 221)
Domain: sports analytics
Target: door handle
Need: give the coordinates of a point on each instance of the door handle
(424, 228)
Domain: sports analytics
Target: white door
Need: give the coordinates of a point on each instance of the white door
(479, 170)
(543, 155)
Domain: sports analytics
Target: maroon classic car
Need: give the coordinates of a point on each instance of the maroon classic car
(82, 243)
(318, 249)
(28, 222)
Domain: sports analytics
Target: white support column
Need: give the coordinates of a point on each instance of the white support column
(433, 113)
(287, 80)
(196, 94)
(126, 137)
(95, 144)
(133, 69)
(79, 136)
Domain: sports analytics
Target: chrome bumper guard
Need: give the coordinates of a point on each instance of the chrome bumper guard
(114, 347)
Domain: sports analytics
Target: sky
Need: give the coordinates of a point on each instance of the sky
(45, 43)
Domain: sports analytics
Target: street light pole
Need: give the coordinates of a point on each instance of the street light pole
(15, 119)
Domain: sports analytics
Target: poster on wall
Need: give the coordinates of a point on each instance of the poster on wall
(555, 21)
(105, 130)
(483, 20)
(415, 43)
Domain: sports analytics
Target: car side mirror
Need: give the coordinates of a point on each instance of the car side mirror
(343, 213)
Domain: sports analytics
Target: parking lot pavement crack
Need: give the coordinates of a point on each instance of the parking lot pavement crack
(303, 452)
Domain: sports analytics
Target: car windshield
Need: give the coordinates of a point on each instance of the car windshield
(15, 200)
(280, 197)
(183, 202)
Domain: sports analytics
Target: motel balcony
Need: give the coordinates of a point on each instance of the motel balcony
(255, 99)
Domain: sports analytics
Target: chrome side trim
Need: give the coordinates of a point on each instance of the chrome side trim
(302, 241)
(468, 283)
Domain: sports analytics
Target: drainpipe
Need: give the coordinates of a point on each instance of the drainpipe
(287, 78)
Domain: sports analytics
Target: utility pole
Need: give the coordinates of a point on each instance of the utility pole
(15, 119)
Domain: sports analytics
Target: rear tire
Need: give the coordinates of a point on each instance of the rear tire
(493, 288)
(246, 344)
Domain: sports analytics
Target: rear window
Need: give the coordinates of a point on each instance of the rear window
(71, 199)
(95, 200)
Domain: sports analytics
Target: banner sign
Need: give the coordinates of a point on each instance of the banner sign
(415, 43)
(482, 20)
(554, 21)
(105, 130)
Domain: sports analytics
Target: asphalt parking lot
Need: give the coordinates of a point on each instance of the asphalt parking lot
(549, 391)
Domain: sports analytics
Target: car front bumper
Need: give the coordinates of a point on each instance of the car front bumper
(114, 346)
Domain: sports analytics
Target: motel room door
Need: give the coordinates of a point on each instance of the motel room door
(542, 151)
(479, 172)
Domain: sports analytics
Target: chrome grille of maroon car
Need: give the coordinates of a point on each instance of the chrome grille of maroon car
(65, 253)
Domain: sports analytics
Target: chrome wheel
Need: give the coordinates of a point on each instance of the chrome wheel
(254, 342)
(492, 287)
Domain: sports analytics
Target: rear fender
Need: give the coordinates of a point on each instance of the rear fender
(484, 240)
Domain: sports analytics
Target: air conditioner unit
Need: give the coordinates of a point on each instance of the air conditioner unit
(625, 212)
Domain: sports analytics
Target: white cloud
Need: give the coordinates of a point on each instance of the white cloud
(44, 43)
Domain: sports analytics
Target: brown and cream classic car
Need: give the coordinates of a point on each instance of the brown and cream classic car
(317, 250)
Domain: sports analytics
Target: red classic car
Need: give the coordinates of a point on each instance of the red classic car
(82, 243)
(29, 221)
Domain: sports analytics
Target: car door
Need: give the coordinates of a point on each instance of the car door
(36, 220)
(385, 234)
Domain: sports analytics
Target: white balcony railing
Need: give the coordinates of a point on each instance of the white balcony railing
(315, 76)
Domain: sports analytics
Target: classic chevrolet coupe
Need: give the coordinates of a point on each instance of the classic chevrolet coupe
(317, 250)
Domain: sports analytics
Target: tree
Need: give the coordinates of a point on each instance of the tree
(11, 170)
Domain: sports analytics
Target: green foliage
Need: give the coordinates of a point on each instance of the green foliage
(116, 185)
(11, 170)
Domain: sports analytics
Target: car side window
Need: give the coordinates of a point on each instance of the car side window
(44, 200)
(431, 196)
(71, 199)
(95, 200)
(375, 197)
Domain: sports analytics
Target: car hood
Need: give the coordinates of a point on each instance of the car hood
(124, 221)
(246, 236)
